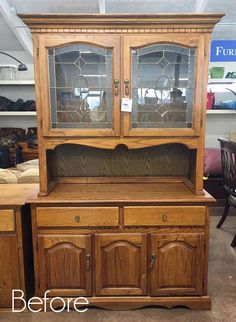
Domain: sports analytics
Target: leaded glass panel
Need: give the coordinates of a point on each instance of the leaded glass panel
(163, 86)
(80, 86)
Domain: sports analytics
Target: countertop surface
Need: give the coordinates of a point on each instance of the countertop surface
(125, 193)
(16, 194)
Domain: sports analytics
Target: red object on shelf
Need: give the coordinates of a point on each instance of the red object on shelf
(210, 100)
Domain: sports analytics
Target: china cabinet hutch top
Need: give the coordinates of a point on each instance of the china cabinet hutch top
(122, 217)
(85, 65)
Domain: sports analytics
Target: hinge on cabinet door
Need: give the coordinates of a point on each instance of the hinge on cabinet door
(41, 124)
(36, 245)
(19, 243)
(205, 51)
(38, 51)
(201, 122)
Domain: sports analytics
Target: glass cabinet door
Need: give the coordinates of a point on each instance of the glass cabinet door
(162, 85)
(83, 87)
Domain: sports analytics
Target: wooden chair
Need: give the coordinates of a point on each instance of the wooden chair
(228, 160)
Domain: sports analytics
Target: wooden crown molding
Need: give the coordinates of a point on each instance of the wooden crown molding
(68, 21)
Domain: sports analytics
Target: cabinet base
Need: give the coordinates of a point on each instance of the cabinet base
(131, 303)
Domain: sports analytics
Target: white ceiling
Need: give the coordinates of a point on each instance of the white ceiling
(43, 6)
(226, 30)
(124, 6)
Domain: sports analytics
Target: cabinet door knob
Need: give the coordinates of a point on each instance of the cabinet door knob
(116, 86)
(153, 258)
(164, 218)
(88, 261)
(126, 81)
(77, 218)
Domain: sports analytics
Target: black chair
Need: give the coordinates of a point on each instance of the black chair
(228, 160)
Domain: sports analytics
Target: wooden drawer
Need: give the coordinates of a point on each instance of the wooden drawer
(7, 220)
(164, 216)
(77, 216)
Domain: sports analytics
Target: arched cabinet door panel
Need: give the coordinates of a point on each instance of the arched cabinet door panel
(121, 264)
(80, 76)
(64, 265)
(162, 75)
(176, 264)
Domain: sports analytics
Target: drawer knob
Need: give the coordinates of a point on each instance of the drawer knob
(164, 217)
(77, 218)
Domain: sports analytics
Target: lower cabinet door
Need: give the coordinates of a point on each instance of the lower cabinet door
(9, 270)
(176, 264)
(121, 264)
(64, 265)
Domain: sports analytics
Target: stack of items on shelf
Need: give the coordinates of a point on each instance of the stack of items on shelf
(20, 105)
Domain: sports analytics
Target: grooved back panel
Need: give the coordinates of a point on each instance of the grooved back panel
(70, 160)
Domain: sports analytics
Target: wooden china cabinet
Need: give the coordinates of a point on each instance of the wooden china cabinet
(121, 217)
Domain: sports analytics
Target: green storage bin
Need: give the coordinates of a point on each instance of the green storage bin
(217, 72)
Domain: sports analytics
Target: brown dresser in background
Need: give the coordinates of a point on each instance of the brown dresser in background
(16, 268)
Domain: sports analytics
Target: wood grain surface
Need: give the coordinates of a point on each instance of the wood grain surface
(16, 194)
(126, 193)
(77, 216)
(63, 268)
(7, 220)
(164, 216)
(79, 161)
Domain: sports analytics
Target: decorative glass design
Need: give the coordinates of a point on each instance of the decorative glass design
(80, 86)
(163, 86)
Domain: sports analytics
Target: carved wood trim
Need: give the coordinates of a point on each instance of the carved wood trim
(136, 302)
(121, 30)
(125, 23)
(130, 143)
(120, 19)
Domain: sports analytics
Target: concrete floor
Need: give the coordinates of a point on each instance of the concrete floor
(222, 289)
